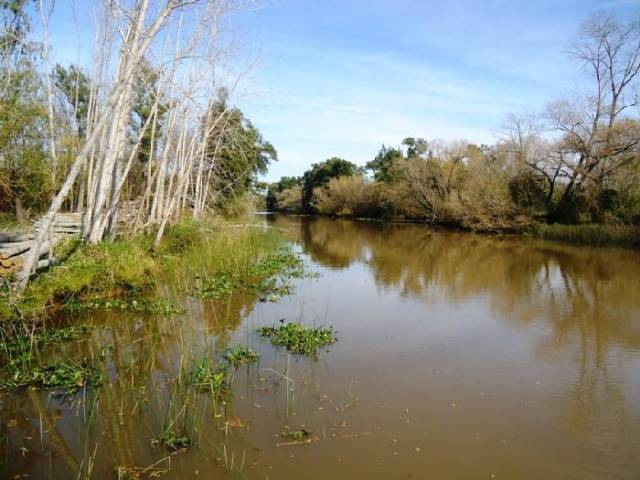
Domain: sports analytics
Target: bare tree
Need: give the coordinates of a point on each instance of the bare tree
(598, 132)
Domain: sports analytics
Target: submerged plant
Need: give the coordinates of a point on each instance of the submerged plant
(239, 355)
(298, 338)
(155, 470)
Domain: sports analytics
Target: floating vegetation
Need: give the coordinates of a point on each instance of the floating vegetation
(207, 375)
(215, 288)
(271, 292)
(285, 262)
(159, 306)
(66, 377)
(240, 354)
(172, 440)
(300, 436)
(298, 338)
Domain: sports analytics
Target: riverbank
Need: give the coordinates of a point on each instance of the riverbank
(122, 274)
(594, 234)
(627, 236)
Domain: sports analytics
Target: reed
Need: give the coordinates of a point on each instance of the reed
(591, 234)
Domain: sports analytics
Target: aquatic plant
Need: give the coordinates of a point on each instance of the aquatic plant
(268, 277)
(20, 368)
(285, 262)
(155, 470)
(301, 435)
(158, 306)
(173, 440)
(216, 287)
(591, 234)
(298, 338)
(240, 354)
(66, 377)
(207, 375)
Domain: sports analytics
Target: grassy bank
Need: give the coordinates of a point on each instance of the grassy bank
(592, 234)
(121, 274)
(205, 260)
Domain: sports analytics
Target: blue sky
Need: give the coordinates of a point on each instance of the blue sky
(339, 78)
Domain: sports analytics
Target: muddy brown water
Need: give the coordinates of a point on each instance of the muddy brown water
(460, 356)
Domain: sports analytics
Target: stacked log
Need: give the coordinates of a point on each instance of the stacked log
(12, 254)
(14, 247)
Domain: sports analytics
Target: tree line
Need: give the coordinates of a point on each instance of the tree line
(576, 162)
(147, 128)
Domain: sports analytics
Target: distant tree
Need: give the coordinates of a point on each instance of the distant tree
(285, 183)
(424, 186)
(600, 132)
(321, 173)
(416, 147)
(382, 165)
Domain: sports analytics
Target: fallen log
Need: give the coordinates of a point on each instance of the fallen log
(61, 225)
(4, 245)
(13, 250)
(15, 237)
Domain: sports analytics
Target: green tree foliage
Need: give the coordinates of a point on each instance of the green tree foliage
(237, 151)
(74, 86)
(383, 165)
(321, 173)
(15, 27)
(24, 170)
(285, 183)
(416, 147)
(529, 191)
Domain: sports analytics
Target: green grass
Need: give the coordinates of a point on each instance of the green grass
(591, 234)
(254, 262)
(158, 306)
(123, 268)
(116, 275)
(298, 338)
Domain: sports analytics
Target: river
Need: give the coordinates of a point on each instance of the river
(459, 356)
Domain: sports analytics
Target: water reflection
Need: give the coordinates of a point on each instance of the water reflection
(586, 300)
(574, 288)
(459, 356)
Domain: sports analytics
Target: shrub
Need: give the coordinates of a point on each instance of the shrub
(288, 200)
(348, 196)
